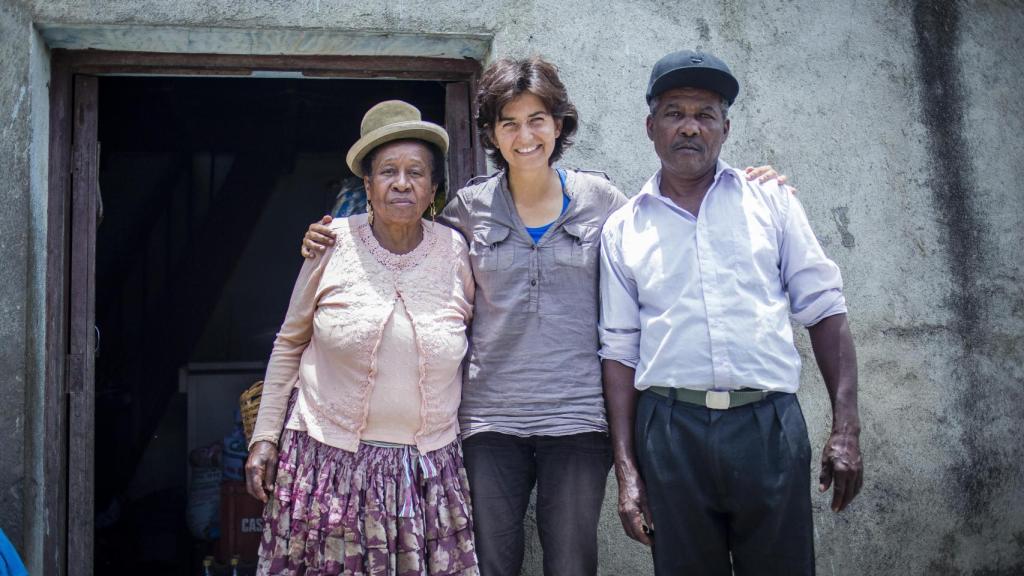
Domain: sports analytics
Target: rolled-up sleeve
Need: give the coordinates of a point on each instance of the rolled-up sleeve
(619, 325)
(811, 279)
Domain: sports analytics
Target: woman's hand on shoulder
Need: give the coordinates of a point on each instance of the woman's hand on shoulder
(261, 470)
(318, 238)
(765, 173)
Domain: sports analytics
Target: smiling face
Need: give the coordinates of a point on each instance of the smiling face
(525, 133)
(688, 127)
(400, 185)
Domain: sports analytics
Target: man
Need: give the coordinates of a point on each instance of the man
(700, 274)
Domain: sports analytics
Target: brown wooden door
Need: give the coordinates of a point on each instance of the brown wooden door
(463, 160)
(81, 325)
(74, 203)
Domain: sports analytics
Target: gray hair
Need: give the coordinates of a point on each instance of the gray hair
(725, 106)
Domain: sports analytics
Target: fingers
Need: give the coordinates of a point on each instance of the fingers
(848, 482)
(270, 476)
(756, 173)
(634, 526)
(320, 236)
(647, 516)
(839, 489)
(309, 249)
(635, 517)
(644, 533)
(321, 229)
(825, 478)
(634, 513)
(254, 481)
(843, 469)
(316, 240)
(765, 173)
(262, 458)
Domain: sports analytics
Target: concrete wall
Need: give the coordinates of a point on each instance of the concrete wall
(15, 110)
(898, 121)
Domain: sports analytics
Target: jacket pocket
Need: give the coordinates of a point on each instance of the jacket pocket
(577, 246)
(490, 249)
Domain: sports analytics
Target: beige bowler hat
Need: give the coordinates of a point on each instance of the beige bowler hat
(388, 121)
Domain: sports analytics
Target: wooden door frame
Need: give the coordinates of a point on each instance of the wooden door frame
(68, 366)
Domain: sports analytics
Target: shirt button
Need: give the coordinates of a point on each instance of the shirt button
(533, 282)
(535, 247)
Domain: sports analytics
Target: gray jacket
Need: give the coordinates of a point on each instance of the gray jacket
(533, 367)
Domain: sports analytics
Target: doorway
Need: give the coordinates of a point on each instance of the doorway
(180, 254)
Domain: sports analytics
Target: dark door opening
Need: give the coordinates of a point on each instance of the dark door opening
(207, 186)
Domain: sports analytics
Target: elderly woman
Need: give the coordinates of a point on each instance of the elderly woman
(365, 379)
(532, 406)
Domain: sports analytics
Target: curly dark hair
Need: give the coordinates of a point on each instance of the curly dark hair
(508, 78)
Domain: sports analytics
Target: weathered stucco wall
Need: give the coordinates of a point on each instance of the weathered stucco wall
(15, 25)
(898, 121)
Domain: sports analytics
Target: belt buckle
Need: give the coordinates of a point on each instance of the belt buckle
(717, 399)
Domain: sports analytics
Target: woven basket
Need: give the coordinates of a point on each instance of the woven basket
(249, 404)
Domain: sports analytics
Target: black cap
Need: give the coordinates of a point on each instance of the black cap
(689, 69)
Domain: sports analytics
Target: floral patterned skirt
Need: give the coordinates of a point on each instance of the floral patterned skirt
(383, 510)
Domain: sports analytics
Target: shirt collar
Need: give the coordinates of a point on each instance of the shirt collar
(652, 187)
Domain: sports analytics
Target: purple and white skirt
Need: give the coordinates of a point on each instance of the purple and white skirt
(383, 510)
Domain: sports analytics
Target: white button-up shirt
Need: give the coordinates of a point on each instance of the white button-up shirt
(705, 302)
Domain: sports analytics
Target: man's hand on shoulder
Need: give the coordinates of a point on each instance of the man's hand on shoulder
(318, 237)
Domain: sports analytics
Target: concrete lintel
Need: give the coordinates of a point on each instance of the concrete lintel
(269, 41)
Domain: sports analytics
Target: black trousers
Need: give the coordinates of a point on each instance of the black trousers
(729, 489)
(570, 473)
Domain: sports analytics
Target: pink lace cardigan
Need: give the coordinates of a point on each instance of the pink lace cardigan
(329, 342)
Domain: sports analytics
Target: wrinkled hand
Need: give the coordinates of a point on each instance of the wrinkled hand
(765, 173)
(633, 510)
(841, 467)
(261, 470)
(318, 237)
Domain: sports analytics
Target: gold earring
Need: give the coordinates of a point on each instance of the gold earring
(369, 213)
(433, 211)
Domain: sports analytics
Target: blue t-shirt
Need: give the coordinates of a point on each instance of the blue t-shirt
(539, 231)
